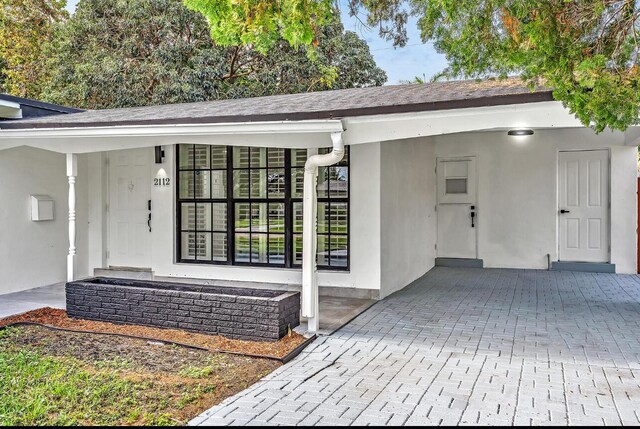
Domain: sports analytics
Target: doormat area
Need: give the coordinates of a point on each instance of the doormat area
(59, 319)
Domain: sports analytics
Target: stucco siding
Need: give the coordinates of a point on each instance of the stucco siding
(517, 193)
(34, 253)
(408, 219)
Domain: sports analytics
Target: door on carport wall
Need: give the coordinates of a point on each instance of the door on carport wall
(583, 206)
(457, 207)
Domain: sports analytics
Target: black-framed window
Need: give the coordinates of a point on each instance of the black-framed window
(243, 206)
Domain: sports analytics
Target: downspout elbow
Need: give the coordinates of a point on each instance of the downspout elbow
(327, 159)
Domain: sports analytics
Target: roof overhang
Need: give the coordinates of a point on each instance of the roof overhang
(291, 134)
(10, 110)
(541, 115)
(302, 134)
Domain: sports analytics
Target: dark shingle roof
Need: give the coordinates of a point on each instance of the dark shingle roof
(312, 105)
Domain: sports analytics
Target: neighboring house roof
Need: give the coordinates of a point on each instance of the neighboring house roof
(332, 104)
(33, 108)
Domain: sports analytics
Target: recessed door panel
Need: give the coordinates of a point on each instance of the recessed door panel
(130, 192)
(457, 208)
(583, 206)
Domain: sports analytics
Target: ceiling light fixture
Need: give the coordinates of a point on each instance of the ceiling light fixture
(520, 132)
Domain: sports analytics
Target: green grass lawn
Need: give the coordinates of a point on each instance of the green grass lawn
(44, 383)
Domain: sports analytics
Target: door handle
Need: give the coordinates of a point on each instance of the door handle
(149, 222)
(473, 216)
(563, 211)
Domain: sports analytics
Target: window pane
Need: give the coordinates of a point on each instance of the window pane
(218, 157)
(203, 240)
(298, 157)
(297, 217)
(203, 217)
(203, 181)
(323, 250)
(258, 157)
(258, 183)
(456, 186)
(259, 248)
(186, 184)
(243, 217)
(276, 249)
(323, 217)
(339, 182)
(240, 157)
(242, 248)
(323, 182)
(297, 249)
(186, 156)
(275, 179)
(276, 217)
(202, 155)
(188, 245)
(218, 184)
(297, 182)
(188, 216)
(259, 217)
(338, 251)
(219, 217)
(338, 218)
(219, 247)
(241, 184)
(275, 157)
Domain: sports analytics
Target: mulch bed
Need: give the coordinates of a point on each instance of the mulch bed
(60, 319)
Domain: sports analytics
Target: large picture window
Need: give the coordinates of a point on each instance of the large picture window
(243, 206)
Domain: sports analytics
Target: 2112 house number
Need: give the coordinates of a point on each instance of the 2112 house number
(161, 181)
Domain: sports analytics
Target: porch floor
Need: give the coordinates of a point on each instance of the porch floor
(32, 299)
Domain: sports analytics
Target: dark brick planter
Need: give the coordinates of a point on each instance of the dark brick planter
(239, 313)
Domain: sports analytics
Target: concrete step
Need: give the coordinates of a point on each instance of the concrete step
(588, 267)
(124, 273)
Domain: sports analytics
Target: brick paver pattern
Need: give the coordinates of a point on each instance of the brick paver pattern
(466, 346)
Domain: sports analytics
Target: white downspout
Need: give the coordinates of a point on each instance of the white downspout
(310, 305)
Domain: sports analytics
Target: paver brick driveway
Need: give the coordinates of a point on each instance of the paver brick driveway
(467, 346)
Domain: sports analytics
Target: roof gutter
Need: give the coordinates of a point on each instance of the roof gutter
(314, 126)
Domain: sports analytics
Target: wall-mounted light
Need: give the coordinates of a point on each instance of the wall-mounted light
(159, 154)
(520, 132)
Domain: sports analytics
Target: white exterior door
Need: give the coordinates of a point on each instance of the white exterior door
(129, 197)
(583, 206)
(457, 207)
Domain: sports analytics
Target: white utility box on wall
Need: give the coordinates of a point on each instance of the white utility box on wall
(41, 207)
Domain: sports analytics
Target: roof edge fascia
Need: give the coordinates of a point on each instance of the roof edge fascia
(249, 128)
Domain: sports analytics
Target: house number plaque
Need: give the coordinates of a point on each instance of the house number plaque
(162, 181)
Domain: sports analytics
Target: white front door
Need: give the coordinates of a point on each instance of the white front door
(583, 206)
(129, 199)
(457, 207)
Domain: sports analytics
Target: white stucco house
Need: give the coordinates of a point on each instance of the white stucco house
(486, 174)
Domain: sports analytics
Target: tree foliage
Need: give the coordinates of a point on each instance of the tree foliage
(26, 26)
(586, 50)
(261, 22)
(117, 53)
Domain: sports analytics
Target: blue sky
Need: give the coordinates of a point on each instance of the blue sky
(416, 59)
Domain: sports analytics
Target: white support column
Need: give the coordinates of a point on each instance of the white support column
(72, 173)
